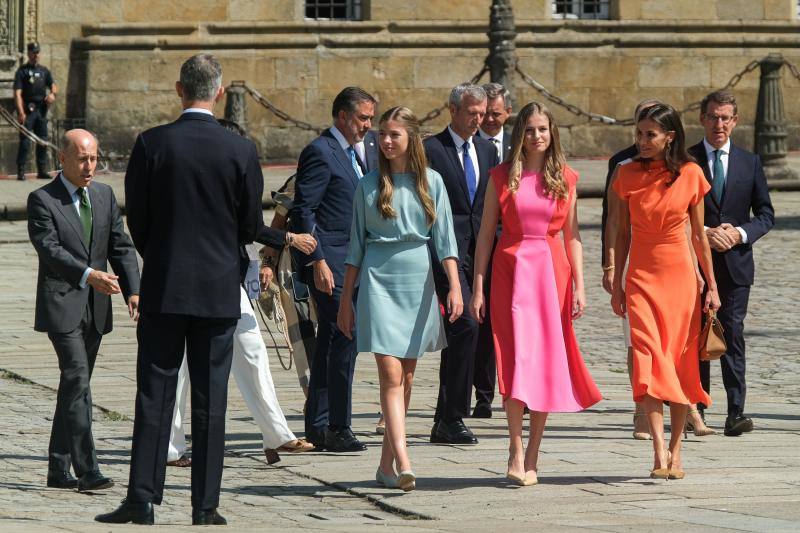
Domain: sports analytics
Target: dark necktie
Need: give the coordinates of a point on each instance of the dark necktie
(469, 173)
(718, 185)
(85, 212)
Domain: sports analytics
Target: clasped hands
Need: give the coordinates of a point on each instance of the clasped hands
(723, 237)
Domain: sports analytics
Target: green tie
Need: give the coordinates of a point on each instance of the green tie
(85, 211)
(718, 185)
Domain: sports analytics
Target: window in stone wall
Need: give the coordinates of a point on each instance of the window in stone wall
(333, 9)
(580, 9)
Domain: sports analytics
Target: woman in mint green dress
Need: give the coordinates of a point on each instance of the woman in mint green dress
(397, 210)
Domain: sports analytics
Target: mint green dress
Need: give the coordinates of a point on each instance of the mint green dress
(397, 311)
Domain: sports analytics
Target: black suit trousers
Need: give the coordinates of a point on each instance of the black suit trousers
(209, 350)
(734, 299)
(330, 389)
(457, 367)
(485, 375)
(71, 439)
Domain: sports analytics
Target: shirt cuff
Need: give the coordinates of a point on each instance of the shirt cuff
(743, 234)
(82, 282)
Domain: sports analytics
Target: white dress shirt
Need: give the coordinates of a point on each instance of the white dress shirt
(473, 154)
(710, 158)
(76, 203)
(358, 147)
(497, 140)
(197, 110)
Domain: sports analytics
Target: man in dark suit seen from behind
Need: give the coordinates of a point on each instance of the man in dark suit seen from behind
(76, 228)
(328, 171)
(193, 193)
(463, 159)
(738, 188)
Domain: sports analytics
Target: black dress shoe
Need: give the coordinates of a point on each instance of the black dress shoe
(134, 512)
(735, 426)
(21, 176)
(207, 518)
(94, 480)
(482, 410)
(342, 440)
(61, 480)
(43, 176)
(454, 432)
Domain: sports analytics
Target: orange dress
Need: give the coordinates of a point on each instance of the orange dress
(662, 301)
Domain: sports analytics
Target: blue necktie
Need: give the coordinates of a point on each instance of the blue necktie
(354, 162)
(469, 173)
(718, 185)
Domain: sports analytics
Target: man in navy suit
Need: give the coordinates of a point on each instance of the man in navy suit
(327, 174)
(498, 109)
(738, 186)
(463, 159)
(193, 192)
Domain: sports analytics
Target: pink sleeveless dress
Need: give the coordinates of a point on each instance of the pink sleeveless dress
(538, 359)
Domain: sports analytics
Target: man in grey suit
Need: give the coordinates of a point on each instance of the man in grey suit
(76, 228)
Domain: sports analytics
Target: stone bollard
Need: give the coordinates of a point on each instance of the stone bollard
(770, 130)
(235, 104)
(502, 50)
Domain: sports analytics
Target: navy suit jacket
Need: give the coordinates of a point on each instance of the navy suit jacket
(193, 192)
(443, 158)
(745, 191)
(323, 201)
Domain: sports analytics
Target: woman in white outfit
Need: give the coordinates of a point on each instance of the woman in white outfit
(250, 368)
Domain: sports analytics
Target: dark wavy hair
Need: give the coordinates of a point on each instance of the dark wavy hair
(675, 154)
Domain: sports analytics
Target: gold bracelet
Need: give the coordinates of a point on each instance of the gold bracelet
(608, 268)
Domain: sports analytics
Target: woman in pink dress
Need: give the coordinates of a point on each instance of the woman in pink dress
(537, 285)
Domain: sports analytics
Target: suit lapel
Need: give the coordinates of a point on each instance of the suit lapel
(452, 152)
(699, 153)
(341, 157)
(483, 171)
(67, 209)
(733, 178)
(98, 211)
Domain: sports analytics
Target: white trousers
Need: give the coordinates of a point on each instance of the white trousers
(250, 369)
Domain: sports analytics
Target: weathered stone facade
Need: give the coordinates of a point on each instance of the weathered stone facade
(117, 60)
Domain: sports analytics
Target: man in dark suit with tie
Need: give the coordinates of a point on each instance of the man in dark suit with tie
(193, 193)
(738, 186)
(76, 228)
(327, 174)
(498, 109)
(464, 160)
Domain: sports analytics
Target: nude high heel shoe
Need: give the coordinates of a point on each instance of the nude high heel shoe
(700, 429)
(640, 435)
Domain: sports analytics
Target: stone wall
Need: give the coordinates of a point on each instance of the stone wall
(119, 70)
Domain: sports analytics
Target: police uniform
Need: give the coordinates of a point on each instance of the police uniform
(34, 81)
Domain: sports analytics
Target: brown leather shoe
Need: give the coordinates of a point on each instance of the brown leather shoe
(296, 446)
(181, 462)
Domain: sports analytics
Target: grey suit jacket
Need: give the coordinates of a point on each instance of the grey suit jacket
(57, 235)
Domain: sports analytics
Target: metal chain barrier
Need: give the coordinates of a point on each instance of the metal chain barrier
(596, 117)
(434, 113)
(792, 69)
(261, 99)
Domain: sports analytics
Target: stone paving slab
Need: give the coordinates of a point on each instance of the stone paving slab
(593, 474)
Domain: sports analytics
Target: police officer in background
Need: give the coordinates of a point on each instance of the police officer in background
(31, 84)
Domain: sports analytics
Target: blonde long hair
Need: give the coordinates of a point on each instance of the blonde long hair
(417, 165)
(555, 185)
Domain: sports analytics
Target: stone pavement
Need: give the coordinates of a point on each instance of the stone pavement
(593, 474)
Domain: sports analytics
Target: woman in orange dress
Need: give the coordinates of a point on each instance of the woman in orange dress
(658, 192)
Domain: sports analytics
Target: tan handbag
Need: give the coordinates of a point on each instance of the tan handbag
(712, 341)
